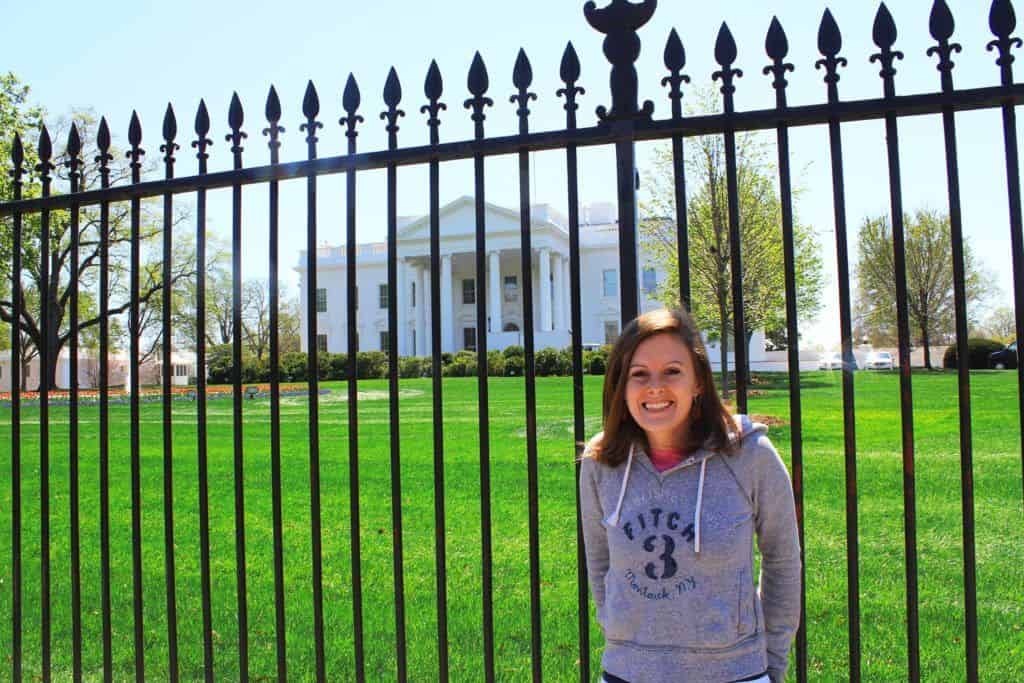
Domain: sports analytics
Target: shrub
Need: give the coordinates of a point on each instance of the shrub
(463, 365)
(293, 367)
(514, 352)
(371, 364)
(337, 365)
(547, 362)
(495, 364)
(514, 366)
(595, 363)
(977, 354)
(410, 367)
(218, 362)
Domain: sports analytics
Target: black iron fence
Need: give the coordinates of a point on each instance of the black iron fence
(622, 124)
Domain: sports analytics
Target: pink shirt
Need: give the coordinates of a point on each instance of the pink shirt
(665, 459)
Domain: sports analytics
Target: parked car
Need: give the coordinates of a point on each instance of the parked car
(831, 360)
(1006, 359)
(878, 360)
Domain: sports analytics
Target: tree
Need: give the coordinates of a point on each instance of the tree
(763, 277)
(1001, 325)
(56, 288)
(930, 301)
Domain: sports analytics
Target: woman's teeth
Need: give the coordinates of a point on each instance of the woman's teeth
(657, 406)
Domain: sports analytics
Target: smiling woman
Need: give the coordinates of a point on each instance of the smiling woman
(672, 466)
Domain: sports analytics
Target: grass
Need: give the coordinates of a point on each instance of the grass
(998, 509)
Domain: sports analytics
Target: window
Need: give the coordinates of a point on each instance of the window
(469, 291)
(650, 280)
(611, 330)
(181, 370)
(469, 338)
(610, 282)
(413, 294)
(385, 344)
(511, 288)
(382, 296)
(415, 351)
(321, 300)
(321, 342)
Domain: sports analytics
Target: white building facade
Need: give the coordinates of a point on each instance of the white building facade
(502, 284)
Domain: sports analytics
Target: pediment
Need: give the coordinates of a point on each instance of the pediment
(458, 220)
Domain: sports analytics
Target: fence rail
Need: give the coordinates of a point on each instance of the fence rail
(622, 124)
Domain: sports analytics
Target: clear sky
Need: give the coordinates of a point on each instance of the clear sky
(116, 56)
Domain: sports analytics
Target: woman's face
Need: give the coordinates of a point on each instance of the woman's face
(660, 389)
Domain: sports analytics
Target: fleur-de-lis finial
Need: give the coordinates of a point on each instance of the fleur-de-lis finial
(620, 21)
(522, 77)
(310, 109)
(884, 35)
(477, 83)
(235, 119)
(569, 71)
(433, 86)
(103, 145)
(135, 152)
(830, 42)
(272, 111)
(940, 25)
(725, 55)
(73, 152)
(350, 100)
(675, 60)
(202, 128)
(1002, 20)
(170, 131)
(777, 46)
(392, 96)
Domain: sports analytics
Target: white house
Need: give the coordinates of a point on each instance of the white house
(150, 372)
(502, 286)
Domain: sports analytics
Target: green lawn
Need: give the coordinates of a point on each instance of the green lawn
(998, 506)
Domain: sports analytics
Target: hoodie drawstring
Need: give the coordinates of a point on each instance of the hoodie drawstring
(614, 519)
(696, 511)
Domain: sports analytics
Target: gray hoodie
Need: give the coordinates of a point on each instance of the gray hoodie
(670, 561)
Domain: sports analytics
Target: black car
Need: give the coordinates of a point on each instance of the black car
(1005, 359)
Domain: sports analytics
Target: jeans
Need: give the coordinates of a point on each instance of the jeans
(610, 678)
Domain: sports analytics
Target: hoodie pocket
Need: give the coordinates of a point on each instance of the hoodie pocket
(745, 612)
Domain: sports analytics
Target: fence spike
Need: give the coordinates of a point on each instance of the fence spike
(134, 130)
(830, 40)
(776, 44)
(940, 21)
(202, 120)
(725, 46)
(392, 89)
(273, 108)
(170, 124)
(675, 54)
(1001, 18)
(310, 102)
(235, 114)
(570, 67)
(884, 30)
(522, 73)
(433, 86)
(17, 153)
(477, 81)
(350, 98)
(74, 146)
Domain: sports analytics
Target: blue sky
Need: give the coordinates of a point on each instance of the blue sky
(118, 56)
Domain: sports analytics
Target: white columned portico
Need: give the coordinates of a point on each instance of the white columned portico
(495, 292)
(566, 294)
(446, 303)
(559, 285)
(428, 311)
(398, 337)
(421, 312)
(544, 257)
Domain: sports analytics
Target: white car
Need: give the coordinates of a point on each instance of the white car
(831, 360)
(879, 360)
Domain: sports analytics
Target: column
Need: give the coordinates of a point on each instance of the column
(428, 312)
(544, 257)
(566, 295)
(495, 292)
(398, 337)
(559, 285)
(421, 312)
(446, 303)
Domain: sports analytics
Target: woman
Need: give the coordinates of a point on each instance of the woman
(672, 493)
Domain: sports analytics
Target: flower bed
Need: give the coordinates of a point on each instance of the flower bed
(154, 394)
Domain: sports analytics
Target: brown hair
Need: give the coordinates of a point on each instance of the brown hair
(710, 422)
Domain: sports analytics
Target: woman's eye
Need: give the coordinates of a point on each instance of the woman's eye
(672, 371)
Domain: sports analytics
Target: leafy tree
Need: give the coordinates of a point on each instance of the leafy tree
(763, 277)
(1001, 324)
(930, 301)
(21, 119)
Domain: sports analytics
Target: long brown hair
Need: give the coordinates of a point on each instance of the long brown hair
(710, 421)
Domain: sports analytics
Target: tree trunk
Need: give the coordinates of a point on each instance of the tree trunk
(927, 350)
(724, 354)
